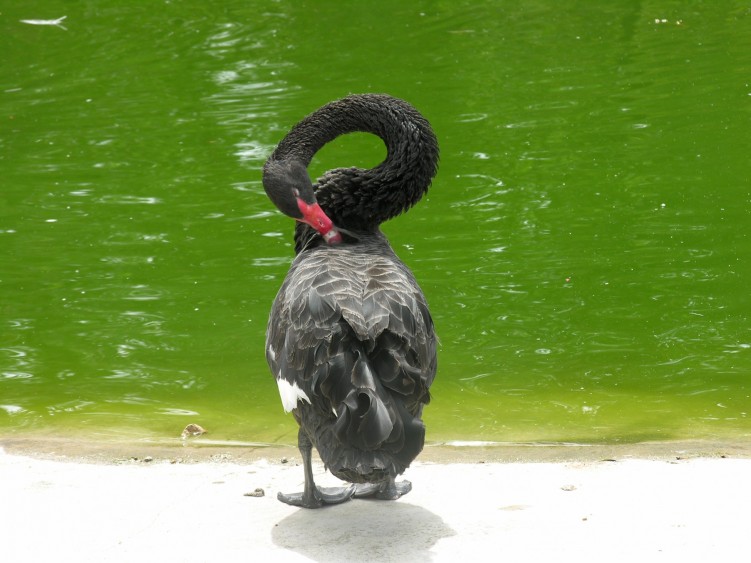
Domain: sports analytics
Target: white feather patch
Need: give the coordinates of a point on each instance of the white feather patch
(290, 394)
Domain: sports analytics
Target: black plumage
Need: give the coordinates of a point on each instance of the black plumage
(350, 338)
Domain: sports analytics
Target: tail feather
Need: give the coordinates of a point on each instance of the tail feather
(366, 418)
(357, 465)
(376, 423)
(376, 393)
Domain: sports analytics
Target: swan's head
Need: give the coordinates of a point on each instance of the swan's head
(288, 185)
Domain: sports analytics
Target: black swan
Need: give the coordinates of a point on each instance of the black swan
(350, 339)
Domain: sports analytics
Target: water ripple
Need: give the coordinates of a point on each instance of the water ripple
(125, 199)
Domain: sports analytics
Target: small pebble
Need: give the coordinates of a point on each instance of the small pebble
(259, 492)
(192, 430)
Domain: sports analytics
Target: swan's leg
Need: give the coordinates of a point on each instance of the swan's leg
(313, 496)
(386, 490)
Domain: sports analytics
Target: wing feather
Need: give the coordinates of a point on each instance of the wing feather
(335, 304)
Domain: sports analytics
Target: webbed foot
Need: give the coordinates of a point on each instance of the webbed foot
(314, 496)
(321, 496)
(386, 490)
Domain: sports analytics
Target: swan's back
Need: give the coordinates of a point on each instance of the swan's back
(352, 345)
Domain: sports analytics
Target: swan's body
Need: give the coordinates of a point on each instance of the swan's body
(350, 339)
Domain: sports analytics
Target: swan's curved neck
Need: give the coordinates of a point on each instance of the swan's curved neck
(361, 199)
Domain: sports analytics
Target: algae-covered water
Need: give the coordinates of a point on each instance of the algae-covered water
(584, 248)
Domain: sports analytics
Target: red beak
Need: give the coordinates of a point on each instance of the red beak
(313, 215)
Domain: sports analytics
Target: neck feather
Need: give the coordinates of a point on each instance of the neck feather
(361, 199)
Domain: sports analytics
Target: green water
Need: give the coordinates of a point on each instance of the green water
(585, 247)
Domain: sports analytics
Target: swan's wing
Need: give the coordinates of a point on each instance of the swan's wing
(336, 308)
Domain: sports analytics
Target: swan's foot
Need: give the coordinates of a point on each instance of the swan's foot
(318, 497)
(386, 490)
(314, 496)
